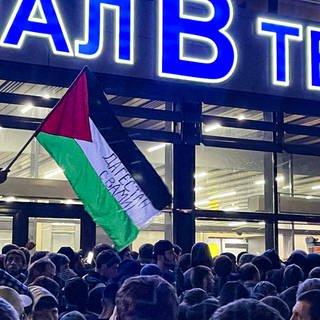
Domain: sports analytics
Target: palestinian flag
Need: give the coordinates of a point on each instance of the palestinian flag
(117, 185)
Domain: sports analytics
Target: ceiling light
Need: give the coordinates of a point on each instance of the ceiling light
(157, 147)
(53, 173)
(10, 199)
(315, 187)
(200, 174)
(46, 96)
(241, 117)
(230, 209)
(198, 189)
(212, 127)
(237, 223)
(202, 203)
(279, 178)
(286, 187)
(27, 108)
(223, 195)
(259, 182)
(309, 197)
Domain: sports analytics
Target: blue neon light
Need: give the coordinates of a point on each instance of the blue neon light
(280, 32)
(25, 21)
(178, 31)
(92, 45)
(314, 40)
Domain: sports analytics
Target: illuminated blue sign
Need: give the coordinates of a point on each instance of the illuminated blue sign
(193, 40)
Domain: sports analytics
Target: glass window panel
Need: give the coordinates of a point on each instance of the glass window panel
(295, 235)
(231, 180)
(51, 234)
(6, 230)
(232, 236)
(300, 188)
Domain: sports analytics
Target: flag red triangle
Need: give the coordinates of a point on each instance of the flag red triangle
(70, 117)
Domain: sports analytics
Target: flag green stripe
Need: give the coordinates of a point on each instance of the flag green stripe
(97, 200)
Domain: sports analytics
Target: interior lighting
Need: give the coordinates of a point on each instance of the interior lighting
(198, 189)
(317, 187)
(53, 173)
(241, 117)
(202, 203)
(27, 108)
(309, 197)
(224, 195)
(231, 209)
(200, 175)
(157, 147)
(10, 199)
(237, 223)
(46, 96)
(279, 178)
(259, 182)
(212, 127)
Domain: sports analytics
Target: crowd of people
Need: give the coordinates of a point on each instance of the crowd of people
(157, 283)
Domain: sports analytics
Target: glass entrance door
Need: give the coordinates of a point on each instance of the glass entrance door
(52, 234)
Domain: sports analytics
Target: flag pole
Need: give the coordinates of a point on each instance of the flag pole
(4, 172)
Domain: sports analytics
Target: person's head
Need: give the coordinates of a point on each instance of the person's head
(184, 262)
(68, 251)
(7, 247)
(18, 301)
(99, 248)
(307, 285)
(314, 273)
(201, 255)
(73, 315)
(76, 292)
(37, 255)
(148, 298)
(202, 277)
(231, 291)
(124, 254)
(7, 312)
(45, 306)
(95, 299)
(249, 272)
(263, 289)
(292, 275)
(145, 253)
(107, 263)
(15, 262)
(278, 304)
(222, 266)
(202, 311)
(60, 261)
(273, 257)
(193, 296)
(297, 257)
(48, 283)
(307, 306)
(163, 253)
(246, 309)
(312, 261)
(245, 258)
(233, 258)
(177, 250)
(150, 270)
(42, 267)
(263, 263)
(127, 268)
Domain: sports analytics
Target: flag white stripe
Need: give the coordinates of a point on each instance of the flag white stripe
(117, 179)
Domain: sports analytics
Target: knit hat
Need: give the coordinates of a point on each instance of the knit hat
(150, 270)
(73, 315)
(42, 296)
(17, 252)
